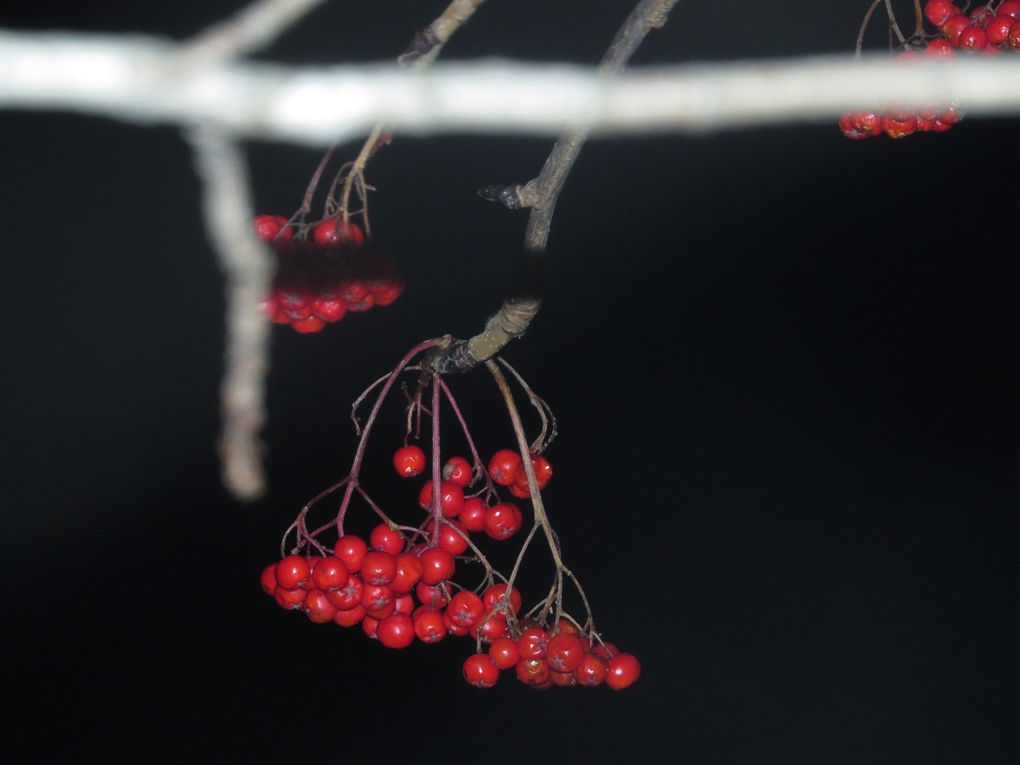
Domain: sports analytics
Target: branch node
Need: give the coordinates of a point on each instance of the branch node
(512, 197)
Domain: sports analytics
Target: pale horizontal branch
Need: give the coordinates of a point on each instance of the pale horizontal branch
(147, 80)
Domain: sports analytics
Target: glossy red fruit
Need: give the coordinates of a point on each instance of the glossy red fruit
(335, 233)
(292, 571)
(472, 515)
(502, 521)
(370, 625)
(452, 627)
(409, 461)
(437, 565)
(953, 27)
(606, 650)
(404, 604)
(386, 539)
(268, 579)
(564, 652)
(308, 326)
(494, 598)
(452, 537)
(350, 617)
(329, 309)
(391, 293)
(351, 550)
(543, 472)
(490, 627)
(268, 226)
(1014, 35)
(939, 47)
(998, 30)
(377, 597)
(973, 39)
(534, 672)
(591, 671)
(428, 624)
(396, 631)
(622, 671)
(533, 643)
(409, 571)
(318, 607)
(899, 126)
(430, 595)
(348, 596)
(502, 466)
(858, 125)
(289, 599)
(329, 574)
(457, 470)
(378, 567)
(981, 15)
(480, 671)
(504, 652)
(451, 498)
(1010, 8)
(938, 11)
(465, 608)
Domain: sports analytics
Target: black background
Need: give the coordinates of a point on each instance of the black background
(784, 366)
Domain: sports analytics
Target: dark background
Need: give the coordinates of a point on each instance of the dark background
(785, 370)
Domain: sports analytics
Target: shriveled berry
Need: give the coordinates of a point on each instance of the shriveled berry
(409, 461)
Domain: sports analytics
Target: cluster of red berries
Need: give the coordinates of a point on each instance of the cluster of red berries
(989, 29)
(323, 276)
(397, 593)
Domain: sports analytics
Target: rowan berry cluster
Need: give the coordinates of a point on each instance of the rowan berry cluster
(988, 29)
(400, 583)
(324, 274)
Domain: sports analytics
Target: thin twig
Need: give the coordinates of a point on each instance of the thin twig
(252, 28)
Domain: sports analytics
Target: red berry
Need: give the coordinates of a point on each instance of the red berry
(348, 596)
(981, 15)
(490, 627)
(351, 550)
(409, 461)
(308, 326)
(858, 125)
(378, 567)
(465, 608)
(292, 572)
(430, 595)
(452, 537)
(437, 565)
(973, 39)
(899, 125)
(502, 466)
(938, 11)
(533, 643)
(451, 498)
(370, 625)
(606, 650)
(502, 521)
(386, 539)
(622, 670)
(329, 574)
(504, 652)
(377, 597)
(1010, 8)
(452, 627)
(495, 598)
(329, 309)
(396, 631)
(472, 515)
(391, 293)
(543, 472)
(591, 671)
(457, 470)
(268, 579)
(289, 599)
(409, 571)
(939, 47)
(350, 617)
(562, 678)
(564, 652)
(268, 226)
(318, 607)
(404, 604)
(952, 28)
(428, 624)
(335, 233)
(534, 672)
(1014, 35)
(480, 672)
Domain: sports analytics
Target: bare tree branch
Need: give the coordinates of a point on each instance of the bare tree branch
(149, 81)
(428, 43)
(250, 29)
(518, 309)
(248, 266)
